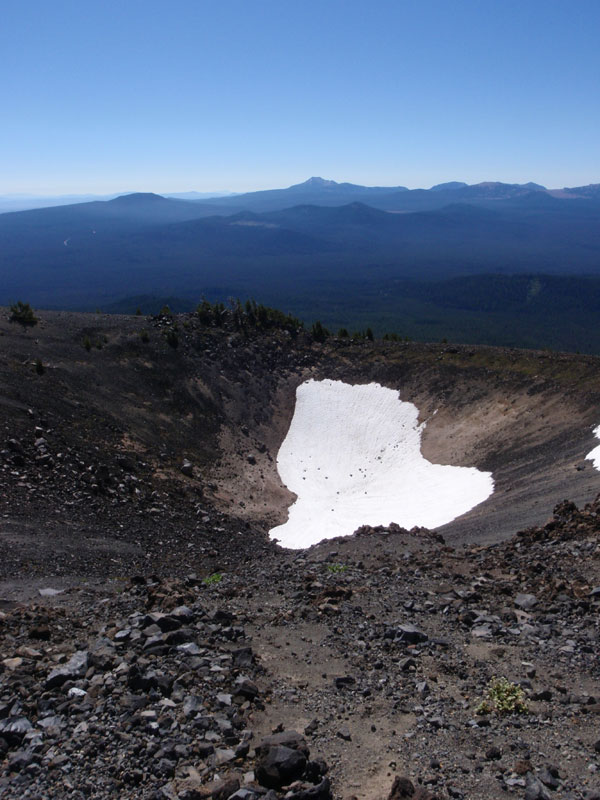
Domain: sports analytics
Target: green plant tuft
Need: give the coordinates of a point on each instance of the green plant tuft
(216, 577)
(502, 697)
(337, 567)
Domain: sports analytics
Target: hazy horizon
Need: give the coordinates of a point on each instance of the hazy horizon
(223, 193)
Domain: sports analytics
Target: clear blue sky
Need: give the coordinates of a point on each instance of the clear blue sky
(146, 95)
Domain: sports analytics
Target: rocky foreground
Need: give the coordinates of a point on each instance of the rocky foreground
(367, 666)
(154, 643)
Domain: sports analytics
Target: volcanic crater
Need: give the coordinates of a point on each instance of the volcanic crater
(139, 483)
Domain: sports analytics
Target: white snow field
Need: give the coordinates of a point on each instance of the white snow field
(353, 457)
(594, 455)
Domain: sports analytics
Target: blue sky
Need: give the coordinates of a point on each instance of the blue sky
(145, 95)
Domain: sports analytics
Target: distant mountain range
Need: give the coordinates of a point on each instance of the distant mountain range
(319, 191)
(286, 246)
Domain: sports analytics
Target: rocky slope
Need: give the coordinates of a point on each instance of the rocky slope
(153, 640)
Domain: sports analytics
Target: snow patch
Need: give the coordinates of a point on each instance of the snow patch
(353, 457)
(594, 455)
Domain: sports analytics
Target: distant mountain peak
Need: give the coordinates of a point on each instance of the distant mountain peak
(315, 183)
(137, 197)
(490, 184)
(449, 186)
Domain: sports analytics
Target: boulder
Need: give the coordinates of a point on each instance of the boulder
(411, 634)
(75, 668)
(280, 766)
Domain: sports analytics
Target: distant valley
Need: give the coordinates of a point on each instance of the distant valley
(508, 264)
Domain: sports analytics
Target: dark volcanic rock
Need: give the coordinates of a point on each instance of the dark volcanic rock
(535, 789)
(280, 766)
(322, 791)
(13, 729)
(291, 739)
(411, 634)
(75, 668)
(401, 788)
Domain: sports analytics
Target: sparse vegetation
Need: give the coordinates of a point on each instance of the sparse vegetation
(319, 332)
(39, 366)
(335, 568)
(503, 697)
(210, 580)
(87, 343)
(250, 316)
(210, 315)
(144, 336)
(23, 314)
(394, 337)
(264, 318)
(367, 335)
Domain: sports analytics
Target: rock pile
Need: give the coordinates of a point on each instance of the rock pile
(155, 702)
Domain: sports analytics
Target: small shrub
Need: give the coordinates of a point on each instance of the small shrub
(335, 568)
(138, 312)
(394, 337)
(23, 314)
(343, 333)
(319, 332)
(205, 312)
(144, 336)
(87, 343)
(210, 580)
(503, 697)
(39, 366)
